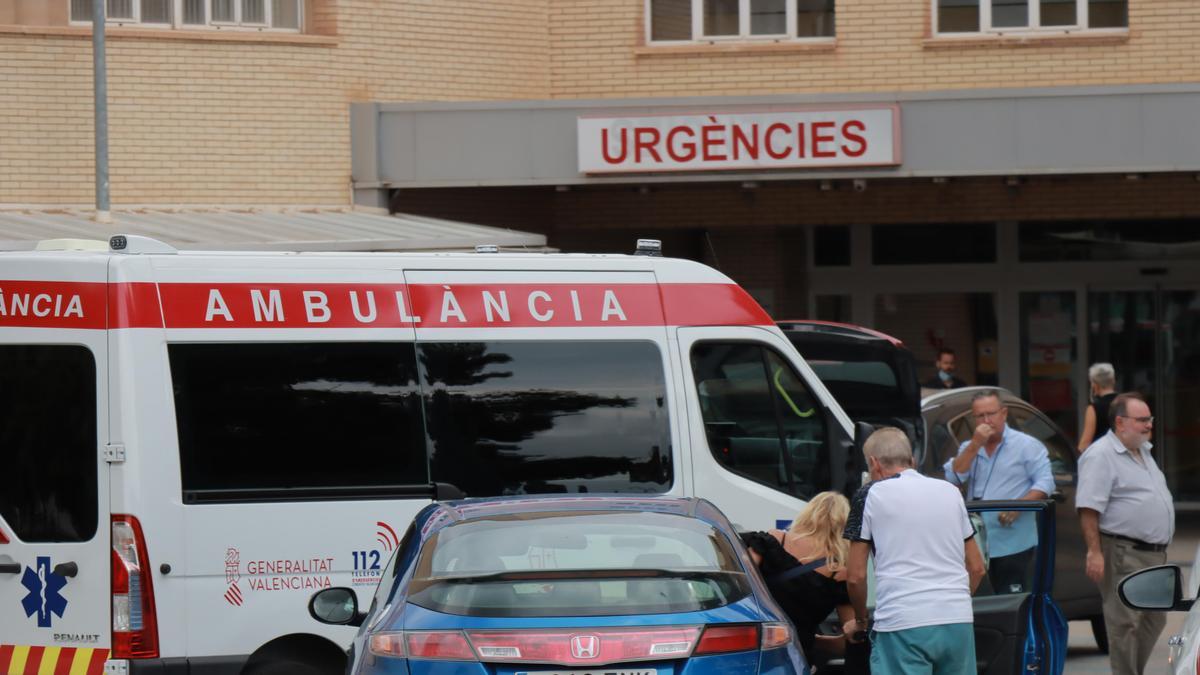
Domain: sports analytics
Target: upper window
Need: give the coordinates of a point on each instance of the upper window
(713, 20)
(247, 14)
(940, 244)
(48, 442)
(1011, 16)
(297, 421)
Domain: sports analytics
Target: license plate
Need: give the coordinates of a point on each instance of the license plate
(593, 671)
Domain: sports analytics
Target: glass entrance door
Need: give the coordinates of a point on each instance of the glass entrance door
(1152, 338)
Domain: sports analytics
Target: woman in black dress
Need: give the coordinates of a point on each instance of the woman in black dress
(1103, 381)
(804, 568)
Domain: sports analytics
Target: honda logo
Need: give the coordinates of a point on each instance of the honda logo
(585, 646)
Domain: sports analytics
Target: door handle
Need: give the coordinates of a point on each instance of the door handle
(10, 568)
(1175, 641)
(67, 569)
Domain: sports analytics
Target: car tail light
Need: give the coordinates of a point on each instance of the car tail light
(388, 644)
(439, 645)
(721, 639)
(582, 646)
(134, 621)
(449, 645)
(775, 635)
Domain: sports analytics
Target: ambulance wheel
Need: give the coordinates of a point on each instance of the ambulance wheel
(1100, 632)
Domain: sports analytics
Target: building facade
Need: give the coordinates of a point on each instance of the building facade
(1018, 180)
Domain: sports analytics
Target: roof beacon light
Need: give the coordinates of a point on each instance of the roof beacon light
(650, 247)
(133, 243)
(487, 248)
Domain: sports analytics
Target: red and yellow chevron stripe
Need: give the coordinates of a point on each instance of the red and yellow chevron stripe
(26, 660)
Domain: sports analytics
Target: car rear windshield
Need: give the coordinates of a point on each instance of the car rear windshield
(577, 564)
(872, 379)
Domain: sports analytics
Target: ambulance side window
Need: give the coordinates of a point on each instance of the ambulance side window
(760, 419)
(48, 444)
(535, 417)
(298, 421)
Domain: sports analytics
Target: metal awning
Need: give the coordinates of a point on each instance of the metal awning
(290, 229)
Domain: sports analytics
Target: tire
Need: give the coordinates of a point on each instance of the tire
(1100, 633)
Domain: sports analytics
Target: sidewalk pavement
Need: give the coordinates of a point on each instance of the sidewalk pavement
(1082, 654)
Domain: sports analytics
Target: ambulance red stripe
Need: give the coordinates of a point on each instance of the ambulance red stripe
(65, 658)
(96, 666)
(134, 305)
(6, 653)
(54, 304)
(34, 660)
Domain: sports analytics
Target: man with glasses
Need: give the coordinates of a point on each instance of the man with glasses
(999, 462)
(1128, 518)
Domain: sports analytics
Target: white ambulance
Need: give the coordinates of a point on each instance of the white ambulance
(192, 443)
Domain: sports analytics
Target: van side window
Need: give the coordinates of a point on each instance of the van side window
(761, 420)
(48, 444)
(297, 421)
(536, 417)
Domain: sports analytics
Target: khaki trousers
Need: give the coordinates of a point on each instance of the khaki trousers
(1131, 634)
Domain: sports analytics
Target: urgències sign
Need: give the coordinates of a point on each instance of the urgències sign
(775, 139)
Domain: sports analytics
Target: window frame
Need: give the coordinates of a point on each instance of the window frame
(1034, 26)
(790, 488)
(176, 22)
(743, 35)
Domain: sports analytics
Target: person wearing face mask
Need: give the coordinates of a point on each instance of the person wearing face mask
(945, 365)
(1128, 518)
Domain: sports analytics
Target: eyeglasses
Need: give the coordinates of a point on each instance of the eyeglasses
(986, 415)
(1149, 419)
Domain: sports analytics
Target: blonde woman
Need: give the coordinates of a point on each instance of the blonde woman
(804, 568)
(1103, 381)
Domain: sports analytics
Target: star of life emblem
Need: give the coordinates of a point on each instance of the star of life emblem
(44, 598)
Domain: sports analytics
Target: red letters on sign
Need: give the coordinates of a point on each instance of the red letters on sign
(848, 132)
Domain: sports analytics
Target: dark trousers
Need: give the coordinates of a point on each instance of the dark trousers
(1012, 573)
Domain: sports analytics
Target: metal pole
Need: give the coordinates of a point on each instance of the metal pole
(100, 99)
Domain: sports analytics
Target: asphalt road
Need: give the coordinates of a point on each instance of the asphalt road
(1082, 654)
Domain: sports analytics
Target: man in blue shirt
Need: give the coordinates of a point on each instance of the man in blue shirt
(999, 462)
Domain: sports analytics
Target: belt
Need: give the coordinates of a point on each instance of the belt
(1138, 544)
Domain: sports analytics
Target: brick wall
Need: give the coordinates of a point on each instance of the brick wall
(203, 119)
(599, 51)
(263, 119)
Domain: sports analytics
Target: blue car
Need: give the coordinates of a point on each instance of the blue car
(586, 585)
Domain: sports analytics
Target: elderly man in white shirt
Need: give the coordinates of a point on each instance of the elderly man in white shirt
(1128, 519)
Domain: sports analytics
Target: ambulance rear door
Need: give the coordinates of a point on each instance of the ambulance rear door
(54, 506)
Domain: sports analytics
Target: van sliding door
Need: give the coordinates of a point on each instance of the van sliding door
(545, 382)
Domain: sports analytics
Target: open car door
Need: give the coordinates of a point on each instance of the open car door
(1018, 628)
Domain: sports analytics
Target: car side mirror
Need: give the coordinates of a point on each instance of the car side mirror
(1154, 588)
(337, 606)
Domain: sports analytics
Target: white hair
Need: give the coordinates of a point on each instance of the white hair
(1102, 375)
(890, 447)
